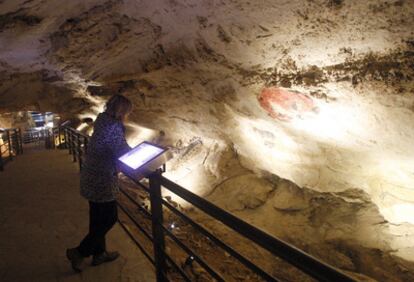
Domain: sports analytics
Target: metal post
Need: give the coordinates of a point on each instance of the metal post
(51, 138)
(60, 141)
(9, 145)
(79, 152)
(65, 134)
(16, 142)
(66, 138)
(13, 141)
(74, 147)
(54, 130)
(70, 141)
(47, 139)
(157, 221)
(20, 141)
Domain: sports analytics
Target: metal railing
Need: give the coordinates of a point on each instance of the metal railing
(11, 145)
(164, 263)
(53, 138)
(33, 135)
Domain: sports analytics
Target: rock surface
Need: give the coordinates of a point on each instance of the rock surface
(196, 73)
(242, 192)
(289, 197)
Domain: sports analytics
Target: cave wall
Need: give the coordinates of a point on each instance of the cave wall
(318, 93)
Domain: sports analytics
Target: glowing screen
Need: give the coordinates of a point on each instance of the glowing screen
(140, 155)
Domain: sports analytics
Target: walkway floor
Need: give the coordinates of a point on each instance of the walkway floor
(42, 214)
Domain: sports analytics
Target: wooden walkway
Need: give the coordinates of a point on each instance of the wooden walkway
(42, 214)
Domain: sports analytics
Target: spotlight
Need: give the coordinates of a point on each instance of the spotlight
(172, 226)
(189, 261)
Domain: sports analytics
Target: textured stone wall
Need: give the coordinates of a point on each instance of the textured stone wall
(280, 111)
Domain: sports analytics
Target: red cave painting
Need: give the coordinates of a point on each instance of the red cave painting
(284, 105)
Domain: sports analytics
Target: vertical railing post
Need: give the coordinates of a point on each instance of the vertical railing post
(16, 142)
(74, 146)
(20, 141)
(79, 152)
(70, 141)
(65, 134)
(157, 221)
(57, 136)
(52, 138)
(60, 141)
(66, 138)
(46, 134)
(13, 141)
(9, 145)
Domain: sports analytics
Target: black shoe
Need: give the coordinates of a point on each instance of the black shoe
(75, 258)
(104, 257)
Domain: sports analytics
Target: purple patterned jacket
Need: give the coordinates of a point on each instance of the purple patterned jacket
(99, 181)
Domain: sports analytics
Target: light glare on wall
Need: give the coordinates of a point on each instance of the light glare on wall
(403, 212)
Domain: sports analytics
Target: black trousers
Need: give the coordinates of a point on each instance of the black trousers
(102, 216)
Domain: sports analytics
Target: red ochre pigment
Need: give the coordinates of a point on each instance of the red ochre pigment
(284, 105)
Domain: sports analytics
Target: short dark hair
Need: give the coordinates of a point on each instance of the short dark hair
(118, 106)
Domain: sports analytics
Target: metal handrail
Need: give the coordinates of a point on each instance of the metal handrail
(35, 135)
(13, 145)
(77, 143)
(305, 262)
(246, 262)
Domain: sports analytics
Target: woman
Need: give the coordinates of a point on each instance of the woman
(99, 183)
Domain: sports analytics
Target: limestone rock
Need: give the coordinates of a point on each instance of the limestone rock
(194, 71)
(328, 254)
(289, 197)
(242, 192)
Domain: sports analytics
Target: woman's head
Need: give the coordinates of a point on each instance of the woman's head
(118, 107)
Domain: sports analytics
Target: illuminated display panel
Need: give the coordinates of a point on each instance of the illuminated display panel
(141, 155)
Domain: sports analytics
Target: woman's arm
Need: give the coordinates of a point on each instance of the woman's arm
(119, 146)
